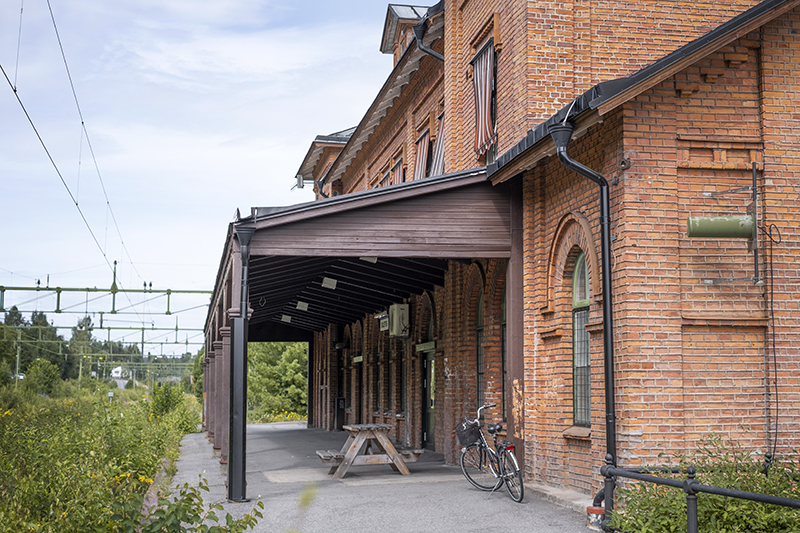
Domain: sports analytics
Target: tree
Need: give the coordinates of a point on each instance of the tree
(277, 376)
(197, 374)
(41, 377)
(79, 345)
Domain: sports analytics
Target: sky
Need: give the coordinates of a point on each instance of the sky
(190, 110)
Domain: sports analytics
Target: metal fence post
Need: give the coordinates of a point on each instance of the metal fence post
(691, 502)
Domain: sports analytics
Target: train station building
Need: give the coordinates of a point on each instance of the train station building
(584, 212)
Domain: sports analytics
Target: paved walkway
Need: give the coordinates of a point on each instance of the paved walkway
(282, 466)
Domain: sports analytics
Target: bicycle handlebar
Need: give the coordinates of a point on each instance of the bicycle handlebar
(485, 406)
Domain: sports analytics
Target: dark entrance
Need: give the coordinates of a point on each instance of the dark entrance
(359, 396)
(429, 401)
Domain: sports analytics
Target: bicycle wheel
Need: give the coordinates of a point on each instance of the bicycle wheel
(477, 468)
(512, 476)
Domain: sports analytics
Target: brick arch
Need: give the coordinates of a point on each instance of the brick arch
(356, 339)
(347, 336)
(573, 231)
(493, 297)
(475, 282)
(426, 311)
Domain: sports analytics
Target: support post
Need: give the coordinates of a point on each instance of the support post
(691, 502)
(238, 380)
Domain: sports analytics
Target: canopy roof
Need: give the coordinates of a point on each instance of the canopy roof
(335, 260)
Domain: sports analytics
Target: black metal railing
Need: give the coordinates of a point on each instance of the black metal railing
(690, 486)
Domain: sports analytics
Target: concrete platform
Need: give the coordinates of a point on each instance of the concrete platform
(282, 465)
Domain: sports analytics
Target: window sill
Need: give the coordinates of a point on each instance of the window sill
(578, 433)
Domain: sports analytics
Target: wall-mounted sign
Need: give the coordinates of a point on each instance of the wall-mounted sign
(426, 346)
(358, 359)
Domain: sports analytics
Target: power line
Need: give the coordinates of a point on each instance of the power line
(88, 141)
(19, 42)
(55, 166)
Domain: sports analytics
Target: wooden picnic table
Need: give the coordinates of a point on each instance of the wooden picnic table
(367, 444)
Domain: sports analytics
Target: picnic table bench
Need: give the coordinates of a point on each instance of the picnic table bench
(368, 444)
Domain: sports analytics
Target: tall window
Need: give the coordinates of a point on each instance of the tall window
(483, 81)
(390, 380)
(398, 176)
(437, 161)
(378, 377)
(581, 389)
(422, 159)
(401, 382)
(479, 363)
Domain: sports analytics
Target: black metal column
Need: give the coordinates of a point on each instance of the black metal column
(238, 376)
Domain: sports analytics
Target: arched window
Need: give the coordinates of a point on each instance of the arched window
(479, 363)
(581, 390)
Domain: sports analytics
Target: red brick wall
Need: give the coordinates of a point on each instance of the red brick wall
(692, 357)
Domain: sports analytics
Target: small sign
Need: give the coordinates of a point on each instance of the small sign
(426, 346)
(384, 323)
(358, 359)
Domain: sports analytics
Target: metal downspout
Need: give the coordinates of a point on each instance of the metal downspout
(421, 27)
(562, 134)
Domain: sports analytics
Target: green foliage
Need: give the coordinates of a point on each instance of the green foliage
(129, 384)
(166, 397)
(41, 377)
(5, 372)
(277, 378)
(197, 374)
(64, 462)
(184, 513)
(650, 508)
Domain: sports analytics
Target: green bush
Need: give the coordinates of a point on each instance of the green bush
(41, 377)
(186, 512)
(650, 508)
(166, 398)
(64, 463)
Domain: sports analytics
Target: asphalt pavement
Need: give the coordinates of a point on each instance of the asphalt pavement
(283, 469)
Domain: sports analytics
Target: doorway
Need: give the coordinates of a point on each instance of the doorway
(429, 401)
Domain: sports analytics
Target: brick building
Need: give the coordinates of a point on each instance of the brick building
(449, 213)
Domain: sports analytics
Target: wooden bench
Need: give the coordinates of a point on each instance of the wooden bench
(331, 457)
(410, 455)
(367, 444)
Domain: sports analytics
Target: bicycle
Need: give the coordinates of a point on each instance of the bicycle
(487, 467)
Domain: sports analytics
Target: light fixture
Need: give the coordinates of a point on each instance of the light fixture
(329, 283)
(368, 259)
(302, 306)
(286, 318)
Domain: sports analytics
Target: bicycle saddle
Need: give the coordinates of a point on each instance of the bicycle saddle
(494, 428)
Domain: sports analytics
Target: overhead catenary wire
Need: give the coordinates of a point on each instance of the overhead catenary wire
(89, 142)
(19, 42)
(91, 150)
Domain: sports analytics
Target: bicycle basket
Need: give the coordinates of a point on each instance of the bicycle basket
(468, 431)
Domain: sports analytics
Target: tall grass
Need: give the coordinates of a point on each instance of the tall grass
(64, 462)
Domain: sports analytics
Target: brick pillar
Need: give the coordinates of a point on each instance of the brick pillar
(211, 388)
(220, 417)
(224, 401)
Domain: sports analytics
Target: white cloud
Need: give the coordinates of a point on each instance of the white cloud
(194, 109)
